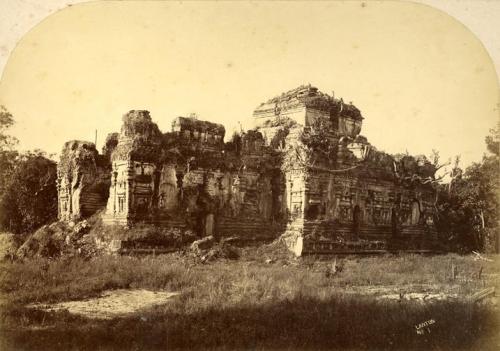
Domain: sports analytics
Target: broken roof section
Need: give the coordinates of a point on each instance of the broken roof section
(309, 97)
(193, 124)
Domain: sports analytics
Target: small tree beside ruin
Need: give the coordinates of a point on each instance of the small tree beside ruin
(28, 193)
(468, 206)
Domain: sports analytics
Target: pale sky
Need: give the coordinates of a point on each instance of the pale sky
(420, 78)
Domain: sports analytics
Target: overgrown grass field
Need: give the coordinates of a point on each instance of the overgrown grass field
(250, 304)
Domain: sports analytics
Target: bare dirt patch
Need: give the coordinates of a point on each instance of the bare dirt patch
(422, 293)
(111, 303)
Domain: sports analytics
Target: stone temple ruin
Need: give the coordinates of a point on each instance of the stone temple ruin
(303, 173)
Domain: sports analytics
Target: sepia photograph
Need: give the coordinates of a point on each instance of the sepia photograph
(249, 175)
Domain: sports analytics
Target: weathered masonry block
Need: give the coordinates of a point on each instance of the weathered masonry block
(303, 172)
(83, 180)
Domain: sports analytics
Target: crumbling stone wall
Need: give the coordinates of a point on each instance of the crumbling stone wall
(189, 178)
(304, 171)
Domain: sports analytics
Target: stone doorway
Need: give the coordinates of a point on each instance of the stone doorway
(209, 224)
(394, 222)
(415, 212)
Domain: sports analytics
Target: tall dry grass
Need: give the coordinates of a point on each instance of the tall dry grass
(246, 304)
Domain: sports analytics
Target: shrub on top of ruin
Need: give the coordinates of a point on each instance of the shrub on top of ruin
(110, 144)
(235, 144)
(139, 123)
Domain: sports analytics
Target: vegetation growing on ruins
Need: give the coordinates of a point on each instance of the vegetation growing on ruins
(143, 138)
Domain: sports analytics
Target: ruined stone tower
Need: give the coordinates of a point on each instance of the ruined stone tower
(343, 194)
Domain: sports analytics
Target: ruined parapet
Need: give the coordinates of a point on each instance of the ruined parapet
(83, 180)
(198, 133)
(305, 105)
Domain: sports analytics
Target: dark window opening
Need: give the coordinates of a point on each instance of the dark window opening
(313, 211)
(121, 204)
